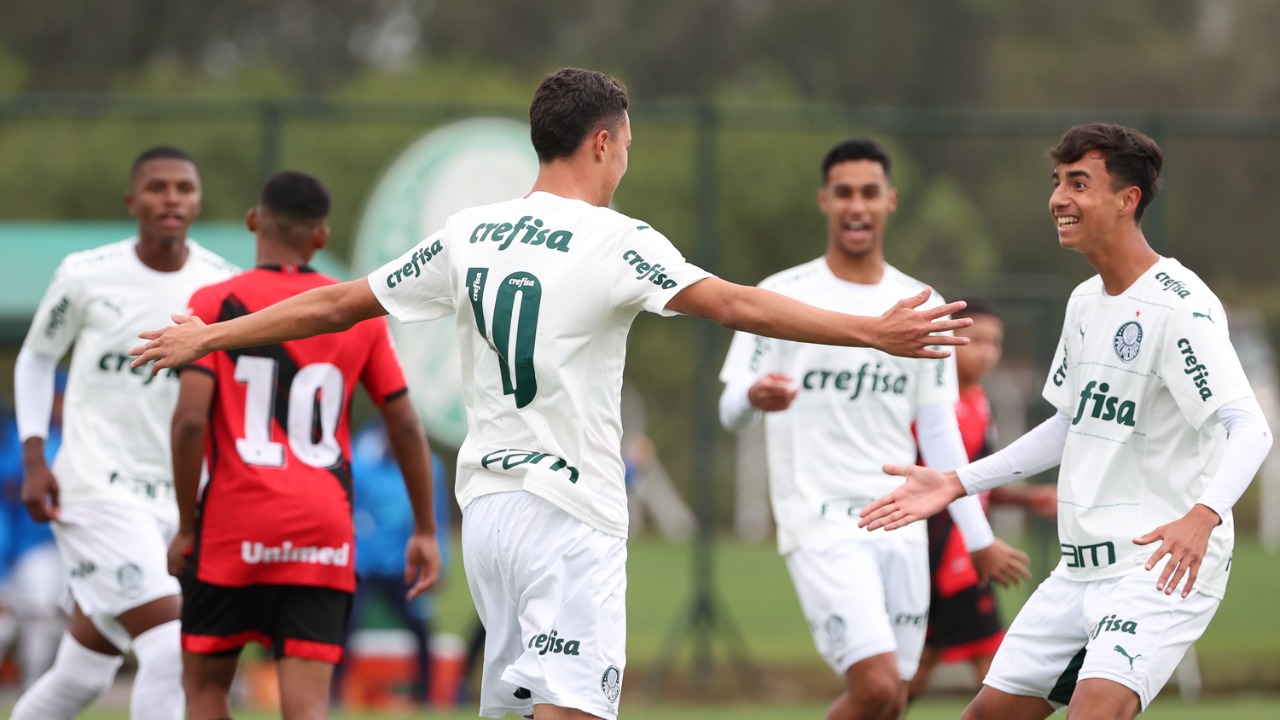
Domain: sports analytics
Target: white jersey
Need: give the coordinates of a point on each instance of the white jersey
(116, 419)
(1141, 375)
(545, 289)
(853, 413)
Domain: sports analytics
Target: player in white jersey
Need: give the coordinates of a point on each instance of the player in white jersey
(1157, 435)
(109, 492)
(831, 415)
(545, 289)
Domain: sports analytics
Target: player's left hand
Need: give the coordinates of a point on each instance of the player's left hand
(179, 549)
(1001, 563)
(1186, 540)
(174, 346)
(421, 563)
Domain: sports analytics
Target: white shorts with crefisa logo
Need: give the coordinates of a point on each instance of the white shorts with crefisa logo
(115, 557)
(1120, 629)
(551, 592)
(864, 598)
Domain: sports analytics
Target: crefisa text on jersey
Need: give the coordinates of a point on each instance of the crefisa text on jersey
(1199, 373)
(528, 229)
(1172, 285)
(417, 260)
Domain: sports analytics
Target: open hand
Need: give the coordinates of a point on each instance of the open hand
(903, 330)
(926, 492)
(1186, 540)
(170, 347)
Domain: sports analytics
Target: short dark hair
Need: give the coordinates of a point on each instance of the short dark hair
(1132, 159)
(295, 196)
(159, 152)
(571, 104)
(975, 306)
(858, 148)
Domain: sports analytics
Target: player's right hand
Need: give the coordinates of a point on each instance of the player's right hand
(772, 392)
(179, 549)
(174, 346)
(40, 493)
(1001, 563)
(905, 331)
(926, 492)
(421, 563)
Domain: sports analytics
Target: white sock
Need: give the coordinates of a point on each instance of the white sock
(157, 688)
(78, 676)
(37, 646)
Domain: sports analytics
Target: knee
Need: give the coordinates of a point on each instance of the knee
(877, 690)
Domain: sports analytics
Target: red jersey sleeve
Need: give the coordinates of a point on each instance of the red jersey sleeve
(383, 378)
(204, 305)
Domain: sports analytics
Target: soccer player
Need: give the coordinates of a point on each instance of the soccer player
(269, 555)
(964, 621)
(545, 288)
(831, 413)
(1157, 435)
(109, 491)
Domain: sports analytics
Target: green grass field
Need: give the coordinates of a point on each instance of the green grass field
(783, 677)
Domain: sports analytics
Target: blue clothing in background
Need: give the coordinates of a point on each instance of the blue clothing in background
(381, 511)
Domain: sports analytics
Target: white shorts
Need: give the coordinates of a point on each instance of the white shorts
(864, 598)
(551, 593)
(115, 556)
(1120, 629)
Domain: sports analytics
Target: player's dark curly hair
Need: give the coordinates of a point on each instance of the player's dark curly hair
(858, 148)
(295, 196)
(159, 152)
(569, 106)
(1132, 159)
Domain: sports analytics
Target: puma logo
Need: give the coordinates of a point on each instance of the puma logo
(1127, 656)
(1207, 316)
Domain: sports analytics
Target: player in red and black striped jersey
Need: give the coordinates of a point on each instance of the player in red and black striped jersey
(267, 555)
(964, 621)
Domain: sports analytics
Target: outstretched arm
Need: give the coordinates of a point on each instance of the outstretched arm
(321, 310)
(903, 330)
(409, 446)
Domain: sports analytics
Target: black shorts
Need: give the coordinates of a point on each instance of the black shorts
(963, 617)
(290, 620)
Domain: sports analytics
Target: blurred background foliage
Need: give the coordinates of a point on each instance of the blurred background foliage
(787, 80)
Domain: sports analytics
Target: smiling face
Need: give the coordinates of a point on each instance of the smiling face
(1085, 207)
(165, 198)
(857, 200)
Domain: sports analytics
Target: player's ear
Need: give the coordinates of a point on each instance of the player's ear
(320, 238)
(251, 219)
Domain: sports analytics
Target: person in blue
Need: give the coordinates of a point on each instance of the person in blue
(30, 567)
(383, 522)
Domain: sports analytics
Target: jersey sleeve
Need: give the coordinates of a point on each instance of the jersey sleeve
(749, 357)
(204, 305)
(1199, 364)
(1055, 389)
(59, 315)
(415, 286)
(383, 377)
(648, 270)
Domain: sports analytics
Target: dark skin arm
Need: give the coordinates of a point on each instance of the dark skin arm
(409, 447)
(39, 486)
(189, 429)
